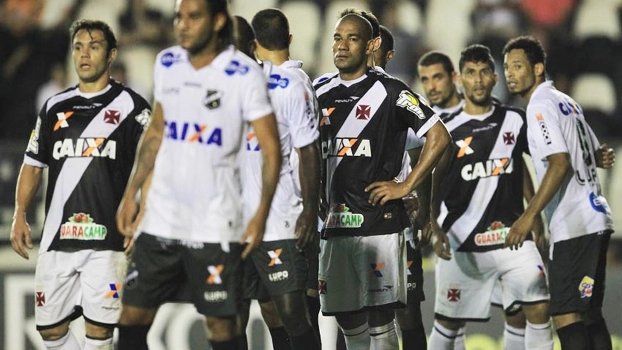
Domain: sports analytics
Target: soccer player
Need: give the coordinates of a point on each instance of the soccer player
(482, 178)
(566, 153)
(278, 269)
(439, 80)
(87, 135)
(206, 92)
(365, 118)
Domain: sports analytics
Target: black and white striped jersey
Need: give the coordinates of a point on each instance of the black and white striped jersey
(88, 142)
(363, 130)
(482, 189)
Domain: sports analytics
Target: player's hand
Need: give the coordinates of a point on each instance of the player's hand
(411, 203)
(20, 236)
(607, 157)
(306, 232)
(128, 245)
(519, 231)
(441, 245)
(127, 220)
(253, 235)
(383, 191)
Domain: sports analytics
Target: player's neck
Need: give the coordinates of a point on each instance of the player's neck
(528, 93)
(452, 102)
(353, 75)
(95, 86)
(277, 57)
(474, 109)
(205, 56)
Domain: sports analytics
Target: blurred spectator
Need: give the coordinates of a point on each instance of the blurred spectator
(56, 84)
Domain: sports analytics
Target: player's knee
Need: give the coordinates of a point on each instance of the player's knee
(380, 317)
(97, 331)
(452, 325)
(54, 333)
(537, 313)
(220, 329)
(270, 314)
(135, 316)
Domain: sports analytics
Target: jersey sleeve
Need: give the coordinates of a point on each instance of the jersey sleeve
(413, 141)
(544, 129)
(255, 100)
(38, 144)
(414, 112)
(302, 116)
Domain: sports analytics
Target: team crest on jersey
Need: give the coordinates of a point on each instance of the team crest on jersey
(236, 67)
(193, 133)
(544, 129)
(212, 99)
(487, 168)
(275, 81)
(363, 112)
(453, 295)
(508, 138)
(339, 216)
(33, 142)
(85, 147)
(495, 234)
(321, 287)
(407, 100)
(81, 226)
(40, 298)
(586, 287)
(346, 147)
(112, 117)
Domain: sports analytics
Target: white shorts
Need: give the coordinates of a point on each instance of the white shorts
(359, 272)
(87, 278)
(464, 284)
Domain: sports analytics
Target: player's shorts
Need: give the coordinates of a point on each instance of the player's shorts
(497, 300)
(159, 267)
(464, 284)
(313, 264)
(275, 268)
(362, 272)
(414, 275)
(66, 282)
(577, 273)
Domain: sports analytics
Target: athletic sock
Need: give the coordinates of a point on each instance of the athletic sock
(306, 341)
(539, 336)
(460, 339)
(97, 344)
(514, 338)
(599, 335)
(66, 342)
(357, 338)
(414, 338)
(574, 337)
(442, 338)
(313, 305)
(384, 337)
(133, 337)
(280, 339)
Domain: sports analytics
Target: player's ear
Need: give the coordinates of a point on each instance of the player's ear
(112, 56)
(538, 69)
(390, 55)
(290, 37)
(220, 20)
(377, 42)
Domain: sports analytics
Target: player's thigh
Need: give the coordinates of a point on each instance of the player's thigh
(101, 280)
(339, 286)
(414, 276)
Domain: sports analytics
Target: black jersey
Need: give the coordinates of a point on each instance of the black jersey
(482, 190)
(88, 141)
(363, 131)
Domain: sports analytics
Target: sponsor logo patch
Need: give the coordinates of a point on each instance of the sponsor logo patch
(340, 216)
(407, 100)
(113, 293)
(193, 133)
(464, 147)
(214, 272)
(543, 128)
(488, 168)
(81, 226)
(586, 287)
(236, 67)
(346, 147)
(495, 234)
(376, 269)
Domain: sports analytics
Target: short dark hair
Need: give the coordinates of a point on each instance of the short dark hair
(476, 53)
(437, 57)
(90, 25)
(244, 35)
(368, 15)
(531, 46)
(387, 39)
(271, 29)
(225, 35)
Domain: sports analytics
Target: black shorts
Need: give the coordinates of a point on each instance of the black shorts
(313, 265)
(414, 276)
(275, 268)
(159, 267)
(577, 274)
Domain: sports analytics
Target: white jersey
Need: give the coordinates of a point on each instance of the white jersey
(556, 125)
(195, 191)
(295, 110)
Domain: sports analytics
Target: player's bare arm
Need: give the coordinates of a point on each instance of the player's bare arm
(268, 138)
(605, 157)
(559, 166)
(127, 218)
(27, 185)
(306, 225)
(424, 191)
(538, 226)
(437, 139)
(440, 241)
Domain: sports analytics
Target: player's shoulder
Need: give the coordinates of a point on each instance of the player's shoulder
(138, 99)
(324, 78)
(61, 97)
(511, 109)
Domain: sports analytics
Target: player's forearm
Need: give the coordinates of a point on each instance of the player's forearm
(27, 185)
(310, 178)
(145, 160)
(559, 166)
(528, 188)
(269, 178)
(437, 139)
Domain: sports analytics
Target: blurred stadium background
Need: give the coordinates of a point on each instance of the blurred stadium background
(582, 39)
